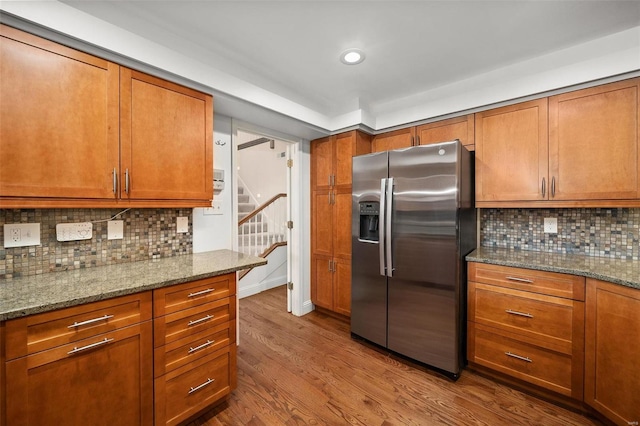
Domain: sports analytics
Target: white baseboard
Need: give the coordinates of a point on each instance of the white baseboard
(306, 308)
(262, 286)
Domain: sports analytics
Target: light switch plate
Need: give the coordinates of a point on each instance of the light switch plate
(182, 225)
(550, 225)
(21, 234)
(115, 229)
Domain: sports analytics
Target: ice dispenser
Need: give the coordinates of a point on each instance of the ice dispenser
(369, 220)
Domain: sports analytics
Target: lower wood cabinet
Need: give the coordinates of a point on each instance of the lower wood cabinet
(531, 335)
(101, 378)
(156, 357)
(194, 346)
(612, 370)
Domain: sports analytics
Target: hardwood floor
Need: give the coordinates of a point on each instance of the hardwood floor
(308, 370)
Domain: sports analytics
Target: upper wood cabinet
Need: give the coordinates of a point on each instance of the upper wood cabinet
(593, 143)
(59, 120)
(461, 128)
(402, 138)
(612, 377)
(512, 153)
(166, 140)
(585, 154)
(79, 131)
(331, 158)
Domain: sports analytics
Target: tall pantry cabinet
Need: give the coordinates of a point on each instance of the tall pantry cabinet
(331, 218)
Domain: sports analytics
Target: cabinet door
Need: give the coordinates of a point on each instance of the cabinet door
(512, 153)
(402, 138)
(593, 143)
(107, 384)
(59, 115)
(342, 286)
(322, 163)
(612, 376)
(342, 224)
(348, 145)
(166, 140)
(322, 281)
(322, 222)
(461, 128)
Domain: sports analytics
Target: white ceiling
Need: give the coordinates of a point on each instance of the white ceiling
(291, 48)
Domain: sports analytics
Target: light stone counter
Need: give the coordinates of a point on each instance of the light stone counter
(617, 271)
(47, 292)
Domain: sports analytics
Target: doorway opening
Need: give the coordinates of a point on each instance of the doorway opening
(263, 200)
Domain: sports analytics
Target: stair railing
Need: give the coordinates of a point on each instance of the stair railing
(264, 228)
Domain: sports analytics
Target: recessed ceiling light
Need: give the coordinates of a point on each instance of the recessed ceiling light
(352, 56)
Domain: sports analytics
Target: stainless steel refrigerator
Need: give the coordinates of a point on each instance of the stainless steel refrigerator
(413, 224)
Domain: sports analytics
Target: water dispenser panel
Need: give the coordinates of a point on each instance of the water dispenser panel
(369, 220)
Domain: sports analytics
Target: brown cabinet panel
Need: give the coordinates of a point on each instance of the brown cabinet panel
(342, 224)
(166, 140)
(322, 162)
(322, 279)
(110, 383)
(593, 143)
(612, 372)
(512, 153)
(551, 283)
(187, 390)
(322, 222)
(402, 138)
(59, 115)
(342, 286)
(461, 128)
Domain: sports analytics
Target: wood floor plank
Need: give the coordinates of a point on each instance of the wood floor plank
(308, 370)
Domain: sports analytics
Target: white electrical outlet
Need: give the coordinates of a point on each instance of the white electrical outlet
(550, 225)
(74, 231)
(182, 225)
(21, 234)
(115, 230)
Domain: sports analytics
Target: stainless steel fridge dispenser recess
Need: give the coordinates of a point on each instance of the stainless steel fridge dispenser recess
(369, 221)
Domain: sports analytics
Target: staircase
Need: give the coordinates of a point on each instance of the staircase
(260, 229)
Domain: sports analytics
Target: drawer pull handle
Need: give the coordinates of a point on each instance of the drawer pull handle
(520, 280)
(523, 358)
(522, 314)
(76, 349)
(200, 293)
(91, 321)
(198, 321)
(197, 388)
(202, 346)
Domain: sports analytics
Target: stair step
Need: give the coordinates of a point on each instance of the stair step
(243, 198)
(256, 219)
(246, 207)
(240, 190)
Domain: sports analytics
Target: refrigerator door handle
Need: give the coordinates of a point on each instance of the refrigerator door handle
(387, 228)
(381, 242)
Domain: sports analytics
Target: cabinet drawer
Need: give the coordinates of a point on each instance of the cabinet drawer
(189, 322)
(543, 320)
(550, 283)
(44, 331)
(182, 296)
(505, 353)
(185, 391)
(183, 351)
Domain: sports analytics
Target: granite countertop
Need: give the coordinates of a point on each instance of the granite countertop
(40, 293)
(617, 271)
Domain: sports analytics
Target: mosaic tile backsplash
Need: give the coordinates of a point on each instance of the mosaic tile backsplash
(598, 232)
(148, 234)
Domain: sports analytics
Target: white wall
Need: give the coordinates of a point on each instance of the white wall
(214, 232)
(266, 277)
(258, 162)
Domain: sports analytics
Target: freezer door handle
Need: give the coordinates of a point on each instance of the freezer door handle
(381, 221)
(387, 228)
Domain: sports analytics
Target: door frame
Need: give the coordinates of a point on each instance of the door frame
(298, 252)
